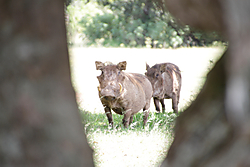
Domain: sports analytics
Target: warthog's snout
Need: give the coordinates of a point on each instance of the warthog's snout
(109, 98)
(112, 90)
(107, 92)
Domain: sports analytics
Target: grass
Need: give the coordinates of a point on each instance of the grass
(135, 146)
(98, 122)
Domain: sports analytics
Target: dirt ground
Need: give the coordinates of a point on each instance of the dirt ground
(194, 64)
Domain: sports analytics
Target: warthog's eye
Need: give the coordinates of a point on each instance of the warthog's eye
(157, 75)
(118, 72)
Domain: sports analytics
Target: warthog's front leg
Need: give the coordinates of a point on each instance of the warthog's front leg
(109, 115)
(131, 119)
(162, 105)
(156, 102)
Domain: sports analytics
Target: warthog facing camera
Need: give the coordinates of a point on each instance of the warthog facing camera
(124, 93)
(166, 82)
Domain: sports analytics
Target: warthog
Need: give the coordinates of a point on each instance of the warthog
(124, 93)
(166, 82)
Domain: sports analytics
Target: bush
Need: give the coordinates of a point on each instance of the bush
(133, 23)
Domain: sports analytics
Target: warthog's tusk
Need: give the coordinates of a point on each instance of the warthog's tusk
(120, 87)
(99, 89)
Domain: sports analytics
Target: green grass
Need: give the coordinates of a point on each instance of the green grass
(134, 146)
(156, 121)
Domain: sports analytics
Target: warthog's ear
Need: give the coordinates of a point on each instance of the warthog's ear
(122, 65)
(99, 65)
(147, 66)
(163, 68)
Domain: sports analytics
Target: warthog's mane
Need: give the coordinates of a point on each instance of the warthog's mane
(108, 63)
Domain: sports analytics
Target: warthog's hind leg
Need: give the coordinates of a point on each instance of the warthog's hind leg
(175, 103)
(127, 117)
(145, 117)
(162, 105)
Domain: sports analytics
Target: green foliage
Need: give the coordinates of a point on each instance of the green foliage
(163, 122)
(133, 23)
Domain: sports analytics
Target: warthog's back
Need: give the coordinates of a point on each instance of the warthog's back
(142, 83)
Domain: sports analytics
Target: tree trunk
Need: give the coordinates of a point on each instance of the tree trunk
(39, 120)
(215, 129)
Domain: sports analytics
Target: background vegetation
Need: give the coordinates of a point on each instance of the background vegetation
(133, 23)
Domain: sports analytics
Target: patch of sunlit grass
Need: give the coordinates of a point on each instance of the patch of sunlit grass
(135, 146)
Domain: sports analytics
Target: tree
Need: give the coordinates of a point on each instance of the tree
(39, 120)
(215, 129)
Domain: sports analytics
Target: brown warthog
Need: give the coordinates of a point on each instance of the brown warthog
(166, 82)
(124, 93)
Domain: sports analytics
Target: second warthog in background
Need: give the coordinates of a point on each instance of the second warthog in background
(166, 82)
